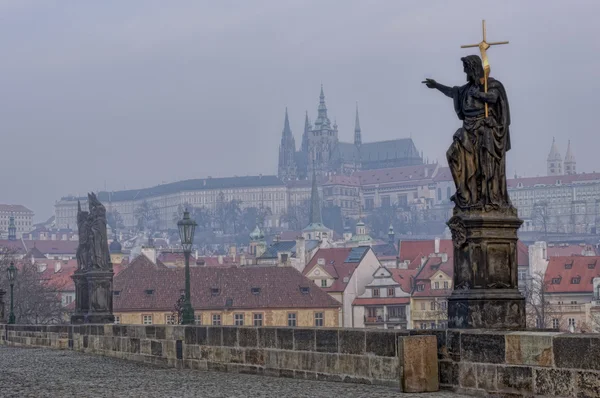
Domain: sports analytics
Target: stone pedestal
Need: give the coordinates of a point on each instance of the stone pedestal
(2, 310)
(485, 291)
(99, 286)
(81, 298)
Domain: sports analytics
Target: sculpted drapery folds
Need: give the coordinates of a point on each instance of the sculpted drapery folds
(477, 155)
(92, 252)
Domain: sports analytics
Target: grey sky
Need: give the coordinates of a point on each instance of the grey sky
(133, 93)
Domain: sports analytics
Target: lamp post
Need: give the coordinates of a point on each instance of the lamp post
(187, 226)
(12, 274)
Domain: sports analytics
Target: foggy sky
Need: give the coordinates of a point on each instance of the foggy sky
(129, 94)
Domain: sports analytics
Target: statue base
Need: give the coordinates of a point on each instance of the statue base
(486, 291)
(99, 284)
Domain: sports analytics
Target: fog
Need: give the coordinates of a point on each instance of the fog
(130, 94)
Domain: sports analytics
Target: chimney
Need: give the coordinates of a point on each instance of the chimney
(220, 259)
(53, 236)
(149, 252)
(397, 261)
(437, 245)
(57, 266)
(196, 256)
(233, 252)
(301, 250)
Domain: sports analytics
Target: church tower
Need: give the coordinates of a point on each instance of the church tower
(12, 229)
(287, 152)
(322, 143)
(554, 161)
(357, 141)
(570, 163)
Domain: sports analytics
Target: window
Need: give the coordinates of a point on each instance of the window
(446, 285)
(369, 203)
(555, 323)
(420, 288)
(255, 290)
(117, 320)
(375, 292)
(432, 305)
(423, 325)
(198, 319)
(385, 201)
(216, 319)
(444, 305)
(573, 302)
(391, 292)
(238, 319)
(436, 285)
(214, 291)
(170, 319)
(575, 280)
(448, 192)
(568, 265)
(556, 281)
(433, 325)
(257, 319)
(571, 322)
(304, 289)
(323, 282)
(147, 319)
(291, 319)
(149, 292)
(439, 193)
(318, 319)
(423, 306)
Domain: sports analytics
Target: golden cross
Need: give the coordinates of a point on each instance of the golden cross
(483, 46)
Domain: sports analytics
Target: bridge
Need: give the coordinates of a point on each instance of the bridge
(42, 372)
(219, 361)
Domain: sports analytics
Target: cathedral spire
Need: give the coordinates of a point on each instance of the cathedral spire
(307, 128)
(287, 131)
(287, 151)
(315, 203)
(357, 135)
(554, 161)
(322, 119)
(570, 162)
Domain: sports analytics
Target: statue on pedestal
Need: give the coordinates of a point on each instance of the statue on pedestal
(94, 275)
(485, 223)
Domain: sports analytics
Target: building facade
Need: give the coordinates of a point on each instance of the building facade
(17, 219)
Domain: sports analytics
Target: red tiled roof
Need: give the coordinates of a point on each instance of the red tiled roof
(397, 174)
(433, 265)
(342, 180)
(527, 182)
(335, 266)
(403, 277)
(413, 249)
(53, 246)
(14, 209)
(522, 254)
(569, 250)
(443, 174)
(382, 301)
(279, 288)
(565, 268)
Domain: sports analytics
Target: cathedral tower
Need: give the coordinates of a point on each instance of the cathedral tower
(554, 161)
(287, 152)
(570, 163)
(322, 143)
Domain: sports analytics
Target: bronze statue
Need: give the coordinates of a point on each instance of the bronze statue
(477, 156)
(83, 259)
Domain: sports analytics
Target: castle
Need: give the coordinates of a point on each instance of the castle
(321, 150)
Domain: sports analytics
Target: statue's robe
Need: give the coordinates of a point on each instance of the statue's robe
(477, 156)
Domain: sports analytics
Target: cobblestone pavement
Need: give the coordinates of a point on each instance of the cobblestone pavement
(37, 372)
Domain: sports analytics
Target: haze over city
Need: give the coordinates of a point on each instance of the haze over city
(120, 95)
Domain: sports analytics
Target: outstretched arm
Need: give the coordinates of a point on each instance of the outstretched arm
(447, 91)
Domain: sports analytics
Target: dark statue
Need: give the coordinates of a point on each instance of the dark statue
(94, 275)
(477, 156)
(484, 225)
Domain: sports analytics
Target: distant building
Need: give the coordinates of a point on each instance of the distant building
(323, 153)
(147, 293)
(165, 200)
(21, 218)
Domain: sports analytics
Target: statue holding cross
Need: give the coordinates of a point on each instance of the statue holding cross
(477, 156)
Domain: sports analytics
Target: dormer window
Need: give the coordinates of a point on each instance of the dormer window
(576, 280)
(569, 265)
(214, 291)
(255, 290)
(229, 302)
(304, 289)
(375, 292)
(592, 265)
(556, 281)
(420, 288)
(116, 292)
(149, 292)
(321, 261)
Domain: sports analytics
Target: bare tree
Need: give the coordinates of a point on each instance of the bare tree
(541, 217)
(147, 216)
(541, 314)
(37, 299)
(114, 219)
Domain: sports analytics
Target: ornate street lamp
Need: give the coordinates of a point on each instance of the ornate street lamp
(12, 274)
(187, 227)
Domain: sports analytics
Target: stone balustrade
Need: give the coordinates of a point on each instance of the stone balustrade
(470, 361)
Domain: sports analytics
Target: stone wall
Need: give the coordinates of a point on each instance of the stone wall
(356, 356)
(485, 363)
